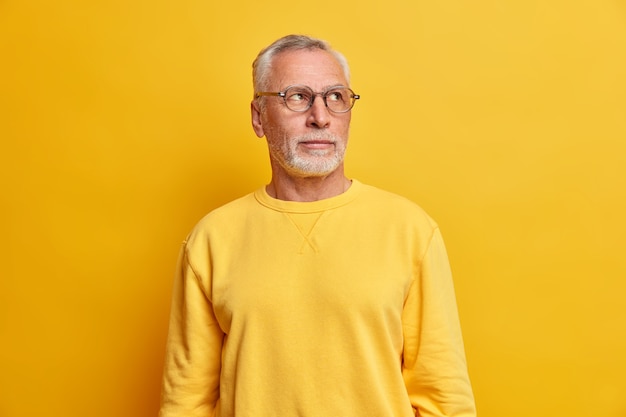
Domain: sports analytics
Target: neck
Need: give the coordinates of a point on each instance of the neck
(308, 189)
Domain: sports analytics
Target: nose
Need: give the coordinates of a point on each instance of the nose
(319, 115)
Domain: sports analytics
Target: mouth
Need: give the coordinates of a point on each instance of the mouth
(317, 143)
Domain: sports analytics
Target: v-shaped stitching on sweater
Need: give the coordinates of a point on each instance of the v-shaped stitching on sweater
(306, 235)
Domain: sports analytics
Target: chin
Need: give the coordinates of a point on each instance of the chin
(304, 167)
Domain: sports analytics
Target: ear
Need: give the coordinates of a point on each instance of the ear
(256, 119)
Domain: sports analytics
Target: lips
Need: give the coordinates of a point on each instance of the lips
(316, 141)
(318, 144)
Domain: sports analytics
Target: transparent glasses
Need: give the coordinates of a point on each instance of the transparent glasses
(300, 98)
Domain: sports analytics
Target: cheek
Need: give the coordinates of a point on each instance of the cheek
(274, 121)
(344, 126)
(273, 132)
(281, 129)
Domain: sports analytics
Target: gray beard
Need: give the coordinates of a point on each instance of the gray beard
(315, 163)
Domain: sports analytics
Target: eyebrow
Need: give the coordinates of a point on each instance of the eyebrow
(331, 87)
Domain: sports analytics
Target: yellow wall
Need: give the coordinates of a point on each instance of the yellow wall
(123, 122)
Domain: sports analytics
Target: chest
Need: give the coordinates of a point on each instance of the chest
(311, 269)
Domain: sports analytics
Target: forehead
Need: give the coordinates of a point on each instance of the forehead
(316, 68)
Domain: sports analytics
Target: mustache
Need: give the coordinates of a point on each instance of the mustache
(326, 136)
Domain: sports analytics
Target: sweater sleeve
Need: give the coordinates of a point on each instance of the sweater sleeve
(193, 352)
(434, 365)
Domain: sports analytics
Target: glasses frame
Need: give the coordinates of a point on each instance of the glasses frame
(324, 95)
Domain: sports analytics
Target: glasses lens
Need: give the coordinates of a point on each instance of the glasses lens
(298, 98)
(339, 100)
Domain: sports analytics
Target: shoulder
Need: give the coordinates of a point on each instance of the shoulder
(221, 219)
(394, 206)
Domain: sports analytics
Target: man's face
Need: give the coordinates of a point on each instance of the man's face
(310, 143)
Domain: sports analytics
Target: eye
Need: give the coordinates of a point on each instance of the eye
(298, 96)
(336, 96)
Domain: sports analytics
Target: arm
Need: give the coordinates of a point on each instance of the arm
(434, 366)
(193, 355)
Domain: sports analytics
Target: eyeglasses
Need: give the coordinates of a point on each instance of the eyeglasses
(300, 98)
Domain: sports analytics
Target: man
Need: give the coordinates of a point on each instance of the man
(317, 295)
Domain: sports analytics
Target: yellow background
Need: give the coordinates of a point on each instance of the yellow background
(123, 122)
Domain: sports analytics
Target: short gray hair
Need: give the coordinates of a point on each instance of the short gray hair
(262, 65)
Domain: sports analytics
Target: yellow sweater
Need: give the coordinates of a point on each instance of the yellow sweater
(342, 307)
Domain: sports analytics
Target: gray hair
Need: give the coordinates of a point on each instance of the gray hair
(262, 65)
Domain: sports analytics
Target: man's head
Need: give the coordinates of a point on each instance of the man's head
(262, 65)
(306, 133)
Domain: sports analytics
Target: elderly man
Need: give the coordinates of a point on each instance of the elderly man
(316, 295)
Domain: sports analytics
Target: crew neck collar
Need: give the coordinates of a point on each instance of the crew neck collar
(350, 194)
